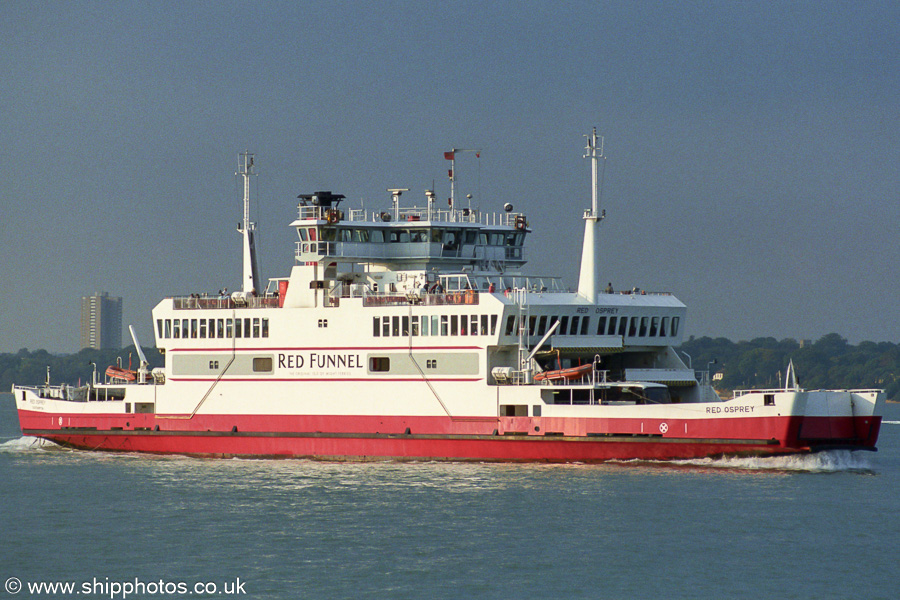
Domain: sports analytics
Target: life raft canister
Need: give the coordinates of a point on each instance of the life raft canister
(520, 222)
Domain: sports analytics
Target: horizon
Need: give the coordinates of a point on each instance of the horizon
(751, 154)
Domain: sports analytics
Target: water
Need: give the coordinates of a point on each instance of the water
(813, 527)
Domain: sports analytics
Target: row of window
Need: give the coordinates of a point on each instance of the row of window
(434, 325)
(606, 325)
(212, 328)
(436, 235)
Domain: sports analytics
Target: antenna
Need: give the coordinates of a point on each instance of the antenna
(250, 282)
(451, 156)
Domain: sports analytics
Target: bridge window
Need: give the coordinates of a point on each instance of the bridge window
(203, 328)
(611, 330)
(574, 329)
(415, 324)
(542, 325)
(237, 328)
(256, 328)
(563, 325)
(675, 321)
(601, 326)
(405, 330)
(454, 324)
(654, 326)
(664, 328)
(510, 324)
(643, 331)
(632, 329)
(376, 326)
(229, 328)
(395, 326)
(444, 325)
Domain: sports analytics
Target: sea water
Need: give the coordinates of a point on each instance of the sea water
(135, 526)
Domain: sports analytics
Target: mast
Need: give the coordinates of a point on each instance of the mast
(589, 276)
(250, 281)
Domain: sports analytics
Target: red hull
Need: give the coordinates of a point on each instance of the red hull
(529, 439)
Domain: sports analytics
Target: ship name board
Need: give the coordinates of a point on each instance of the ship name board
(730, 409)
(317, 360)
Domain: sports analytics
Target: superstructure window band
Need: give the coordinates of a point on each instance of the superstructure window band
(254, 327)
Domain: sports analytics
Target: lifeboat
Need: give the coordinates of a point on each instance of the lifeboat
(564, 374)
(121, 374)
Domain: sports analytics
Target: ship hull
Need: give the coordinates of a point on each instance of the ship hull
(504, 439)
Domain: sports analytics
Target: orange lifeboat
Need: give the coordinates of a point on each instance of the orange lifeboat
(121, 374)
(564, 374)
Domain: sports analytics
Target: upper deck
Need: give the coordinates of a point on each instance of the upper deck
(412, 237)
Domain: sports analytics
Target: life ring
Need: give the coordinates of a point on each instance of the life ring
(332, 216)
(520, 223)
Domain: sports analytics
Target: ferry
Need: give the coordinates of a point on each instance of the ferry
(413, 333)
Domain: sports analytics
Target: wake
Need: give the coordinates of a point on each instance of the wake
(829, 461)
(28, 444)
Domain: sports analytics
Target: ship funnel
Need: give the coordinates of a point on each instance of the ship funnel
(589, 276)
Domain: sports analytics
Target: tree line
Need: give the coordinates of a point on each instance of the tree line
(830, 363)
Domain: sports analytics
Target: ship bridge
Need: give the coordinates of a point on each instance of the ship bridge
(412, 238)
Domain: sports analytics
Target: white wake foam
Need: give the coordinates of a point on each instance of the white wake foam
(830, 461)
(28, 443)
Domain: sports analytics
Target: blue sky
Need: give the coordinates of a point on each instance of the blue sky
(753, 157)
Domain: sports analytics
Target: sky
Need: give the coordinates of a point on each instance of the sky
(753, 155)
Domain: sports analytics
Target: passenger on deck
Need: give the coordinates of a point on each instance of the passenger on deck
(609, 288)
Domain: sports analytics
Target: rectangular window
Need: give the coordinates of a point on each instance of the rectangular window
(203, 328)
(664, 328)
(246, 327)
(379, 364)
(484, 324)
(220, 328)
(493, 324)
(434, 325)
(654, 326)
(633, 326)
(159, 327)
(444, 327)
(585, 323)
(229, 328)
(405, 329)
(262, 364)
(256, 328)
(563, 325)
(168, 328)
(176, 328)
(532, 325)
(194, 328)
(574, 328)
(542, 325)
(415, 325)
(376, 326)
(473, 325)
(510, 324)
(237, 328)
(265, 328)
(431, 363)
(425, 322)
(623, 326)
(675, 325)
(601, 326)
(385, 326)
(643, 331)
(395, 326)
(213, 365)
(454, 324)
